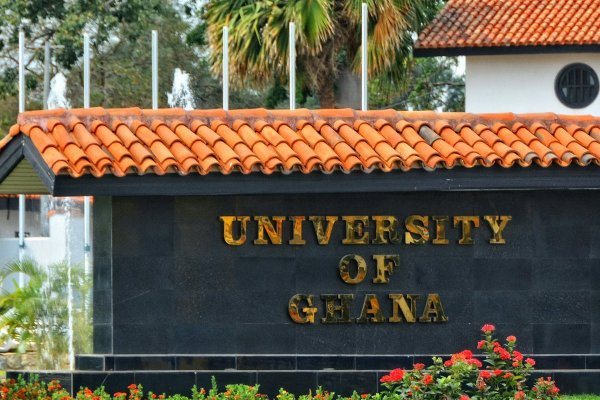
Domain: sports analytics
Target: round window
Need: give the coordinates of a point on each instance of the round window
(576, 85)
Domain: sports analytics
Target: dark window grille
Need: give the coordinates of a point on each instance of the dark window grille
(576, 85)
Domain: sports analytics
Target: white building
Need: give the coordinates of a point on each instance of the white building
(53, 230)
(522, 56)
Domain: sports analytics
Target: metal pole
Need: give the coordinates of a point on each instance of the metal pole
(154, 70)
(225, 68)
(86, 200)
(21, 71)
(364, 93)
(21, 109)
(46, 73)
(86, 70)
(86, 104)
(292, 79)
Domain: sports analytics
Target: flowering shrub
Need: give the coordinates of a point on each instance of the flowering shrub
(21, 389)
(464, 377)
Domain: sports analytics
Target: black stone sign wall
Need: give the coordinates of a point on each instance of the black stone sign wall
(165, 282)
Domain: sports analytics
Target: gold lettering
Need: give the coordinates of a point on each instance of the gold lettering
(308, 313)
(323, 235)
(433, 310)
(440, 229)
(337, 313)
(385, 267)
(421, 231)
(297, 231)
(228, 229)
(265, 225)
(466, 221)
(385, 224)
(496, 228)
(355, 229)
(370, 307)
(361, 269)
(399, 303)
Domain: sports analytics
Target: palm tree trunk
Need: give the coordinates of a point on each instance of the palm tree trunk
(323, 74)
(326, 93)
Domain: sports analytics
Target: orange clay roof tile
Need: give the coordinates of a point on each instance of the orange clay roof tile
(133, 141)
(515, 23)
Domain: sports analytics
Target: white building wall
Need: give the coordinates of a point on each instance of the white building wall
(9, 223)
(521, 83)
(52, 249)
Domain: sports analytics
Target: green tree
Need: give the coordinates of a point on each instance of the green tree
(328, 38)
(433, 84)
(120, 34)
(35, 314)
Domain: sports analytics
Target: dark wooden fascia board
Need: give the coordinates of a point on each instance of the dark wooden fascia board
(40, 166)
(503, 50)
(10, 157)
(457, 179)
(17, 149)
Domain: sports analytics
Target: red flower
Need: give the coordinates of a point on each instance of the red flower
(485, 374)
(481, 344)
(395, 375)
(5, 389)
(504, 355)
(475, 362)
(511, 339)
(497, 372)
(464, 397)
(448, 363)
(87, 392)
(519, 395)
(467, 353)
(554, 390)
(530, 361)
(364, 395)
(427, 379)
(508, 375)
(120, 394)
(419, 366)
(516, 364)
(518, 356)
(132, 386)
(487, 328)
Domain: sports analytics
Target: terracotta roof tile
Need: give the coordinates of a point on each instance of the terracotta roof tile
(131, 141)
(503, 23)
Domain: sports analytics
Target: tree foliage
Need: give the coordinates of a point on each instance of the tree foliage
(433, 84)
(328, 32)
(35, 313)
(328, 44)
(120, 33)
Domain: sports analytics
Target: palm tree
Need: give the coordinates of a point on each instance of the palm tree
(35, 313)
(328, 37)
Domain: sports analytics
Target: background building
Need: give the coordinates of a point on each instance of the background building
(522, 55)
